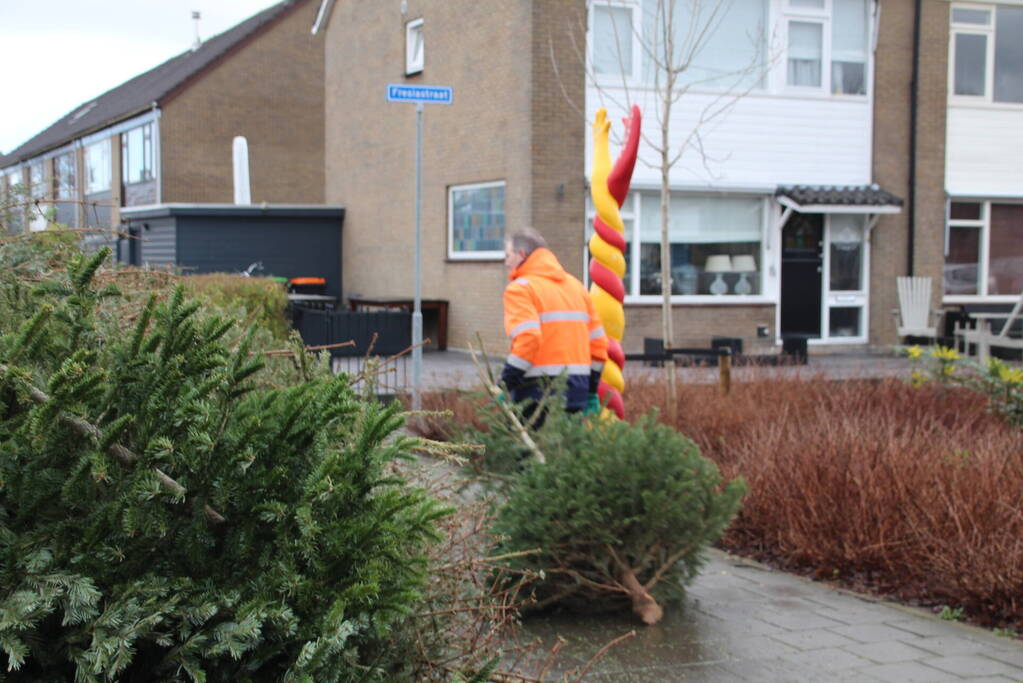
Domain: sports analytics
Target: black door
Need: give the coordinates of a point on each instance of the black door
(801, 266)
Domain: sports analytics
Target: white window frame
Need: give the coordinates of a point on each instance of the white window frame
(823, 16)
(984, 250)
(986, 100)
(474, 255)
(763, 255)
(635, 79)
(414, 63)
(989, 54)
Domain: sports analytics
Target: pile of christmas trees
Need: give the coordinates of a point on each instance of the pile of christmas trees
(166, 516)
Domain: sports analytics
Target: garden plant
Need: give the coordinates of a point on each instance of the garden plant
(167, 512)
(621, 514)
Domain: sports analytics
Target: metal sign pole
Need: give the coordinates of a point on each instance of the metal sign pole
(419, 94)
(417, 311)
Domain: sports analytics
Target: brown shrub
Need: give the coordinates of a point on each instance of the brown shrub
(913, 490)
(447, 414)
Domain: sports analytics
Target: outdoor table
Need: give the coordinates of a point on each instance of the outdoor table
(408, 304)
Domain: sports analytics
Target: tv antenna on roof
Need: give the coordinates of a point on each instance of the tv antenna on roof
(196, 15)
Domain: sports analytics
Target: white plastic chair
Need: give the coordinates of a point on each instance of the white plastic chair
(914, 316)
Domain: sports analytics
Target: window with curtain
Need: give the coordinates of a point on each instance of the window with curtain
(849, 47)
(612, 41)
(846, 254)
(713, 240)
(805, 53)
(731, 52)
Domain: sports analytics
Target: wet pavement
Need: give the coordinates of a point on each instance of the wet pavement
(742, 621)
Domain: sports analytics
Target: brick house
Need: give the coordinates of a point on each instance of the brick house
(786, 220)
(165, 136)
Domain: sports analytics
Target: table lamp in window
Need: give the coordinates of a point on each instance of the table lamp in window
(743, 264)
(719, 263)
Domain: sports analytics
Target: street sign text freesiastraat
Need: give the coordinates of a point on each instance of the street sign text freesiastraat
(427, 94)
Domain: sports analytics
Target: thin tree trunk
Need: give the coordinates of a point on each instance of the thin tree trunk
(667, 324)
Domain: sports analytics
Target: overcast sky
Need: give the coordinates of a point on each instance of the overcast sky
(58, 54)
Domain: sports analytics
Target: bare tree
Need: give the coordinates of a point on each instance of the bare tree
(672, 38)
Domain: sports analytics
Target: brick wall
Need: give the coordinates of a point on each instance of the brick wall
(695, 325)
(892, 112)
(481, 50)
(270, 90)
(559, 130)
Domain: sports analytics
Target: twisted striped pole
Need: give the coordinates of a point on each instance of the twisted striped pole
(609, 188)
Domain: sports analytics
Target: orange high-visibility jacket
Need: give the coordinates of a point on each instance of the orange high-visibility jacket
(554, 329)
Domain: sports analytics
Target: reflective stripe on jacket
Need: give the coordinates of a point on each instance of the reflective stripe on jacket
(554, 329)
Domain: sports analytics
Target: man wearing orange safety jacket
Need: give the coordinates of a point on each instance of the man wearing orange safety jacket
(553, 326)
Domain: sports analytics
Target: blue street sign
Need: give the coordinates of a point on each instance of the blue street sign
(428, 94)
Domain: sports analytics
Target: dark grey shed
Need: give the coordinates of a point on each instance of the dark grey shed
(289, 240)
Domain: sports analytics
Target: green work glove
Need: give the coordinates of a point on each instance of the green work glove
(592, 405)
(502, 397)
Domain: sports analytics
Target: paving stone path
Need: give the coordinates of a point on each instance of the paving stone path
(742, 621)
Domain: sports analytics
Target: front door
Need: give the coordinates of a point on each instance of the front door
(802, 259)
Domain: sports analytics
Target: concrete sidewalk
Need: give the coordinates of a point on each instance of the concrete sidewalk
(742, 621)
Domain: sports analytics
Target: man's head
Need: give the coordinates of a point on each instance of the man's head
(520, 245)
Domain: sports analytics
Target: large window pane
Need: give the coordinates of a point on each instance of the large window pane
(1005, 271)
(725, 43)
(849, 47)
(844, 321)
(846, 253)
(805, 45)
(702, 230)
(477, 219)
(963, 260)
(971, 60)
(138, 154)
(37, 179)
(612, 40)
(97, 167)
(1009, 55)
(64, 176)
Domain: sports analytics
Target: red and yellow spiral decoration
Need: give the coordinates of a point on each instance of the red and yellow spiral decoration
(609, 188)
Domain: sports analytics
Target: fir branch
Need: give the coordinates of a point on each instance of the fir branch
(120, 452)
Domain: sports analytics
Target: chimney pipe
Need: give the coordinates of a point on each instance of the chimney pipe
(240, 153)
